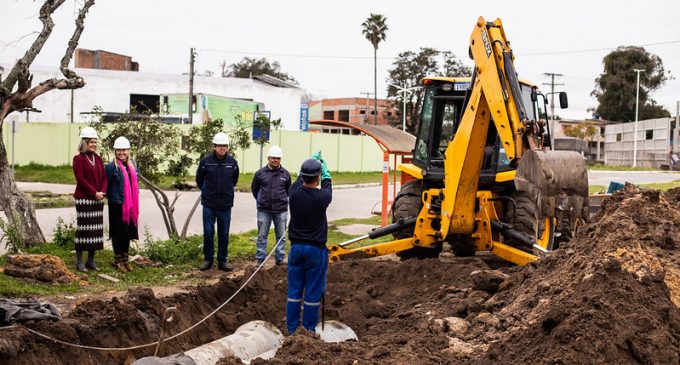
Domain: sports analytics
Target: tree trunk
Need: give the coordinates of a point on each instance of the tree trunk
(375, 84)
(183, 236)
(18, 209)
(167, 208)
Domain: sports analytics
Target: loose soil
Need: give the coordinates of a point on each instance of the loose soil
(609, 296)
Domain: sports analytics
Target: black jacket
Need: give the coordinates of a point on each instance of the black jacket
(270, 189)
(308, 224)
(216, 178)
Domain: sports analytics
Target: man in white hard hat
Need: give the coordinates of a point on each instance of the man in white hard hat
(270, 188)
(216, 176)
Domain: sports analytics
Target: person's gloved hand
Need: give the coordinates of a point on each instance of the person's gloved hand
(325, 173)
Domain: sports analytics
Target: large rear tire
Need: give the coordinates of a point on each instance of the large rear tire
(523, 216)
(407, 204)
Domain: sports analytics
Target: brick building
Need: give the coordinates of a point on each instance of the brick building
(353, 110)
(103, 60)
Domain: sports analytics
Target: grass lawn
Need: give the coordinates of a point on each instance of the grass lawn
(179, 259)
(64, 175)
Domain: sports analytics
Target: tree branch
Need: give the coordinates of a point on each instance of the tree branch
(46, 10)
(73, 43)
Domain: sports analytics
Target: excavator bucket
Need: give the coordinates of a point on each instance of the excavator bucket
(557, 181)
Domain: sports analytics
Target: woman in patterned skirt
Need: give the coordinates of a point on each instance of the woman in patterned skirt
(88, 169)
(123, 196)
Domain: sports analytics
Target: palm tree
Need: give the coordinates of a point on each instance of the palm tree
(375, 29)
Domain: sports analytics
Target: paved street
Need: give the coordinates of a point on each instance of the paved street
(348, 202)
(635, 177)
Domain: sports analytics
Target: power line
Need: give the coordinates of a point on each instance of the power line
(592, 49)
(341, 57)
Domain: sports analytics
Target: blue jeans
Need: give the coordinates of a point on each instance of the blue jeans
(264, 221)
(223, 218)
(307, 267)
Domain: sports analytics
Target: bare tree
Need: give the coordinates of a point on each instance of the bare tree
(17, 95)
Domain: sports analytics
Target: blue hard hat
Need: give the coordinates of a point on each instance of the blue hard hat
(310, 167)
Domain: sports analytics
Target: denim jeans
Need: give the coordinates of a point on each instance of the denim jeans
(223, 218)
(307, 267)
(264, 221)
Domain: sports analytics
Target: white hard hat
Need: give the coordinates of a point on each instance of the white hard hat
(275, 151)
(88, 132)
(221, 138)
(121, 143)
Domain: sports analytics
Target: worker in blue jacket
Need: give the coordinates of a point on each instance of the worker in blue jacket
(308, 233)
(216, 176)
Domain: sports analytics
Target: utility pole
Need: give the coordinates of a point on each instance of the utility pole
(637, 102)
(552, 91)
(192, 59)
(368, 94)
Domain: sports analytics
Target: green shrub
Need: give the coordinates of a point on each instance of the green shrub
(64, 234)
(173, 251)
(12, 236)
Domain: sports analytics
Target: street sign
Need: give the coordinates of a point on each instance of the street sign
(304, 117)
(257, 132)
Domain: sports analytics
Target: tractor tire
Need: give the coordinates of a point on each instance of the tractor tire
(407, 204)
(563, 232)
(523, 216)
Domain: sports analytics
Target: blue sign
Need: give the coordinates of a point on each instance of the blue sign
(304, 117)
(461, 86)
(257, 131)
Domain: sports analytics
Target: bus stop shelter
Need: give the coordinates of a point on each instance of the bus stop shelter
(392, 141)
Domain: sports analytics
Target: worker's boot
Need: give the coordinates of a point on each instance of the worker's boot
(90, 260)
(80, 266)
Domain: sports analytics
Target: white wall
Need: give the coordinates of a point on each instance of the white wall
(111, 90)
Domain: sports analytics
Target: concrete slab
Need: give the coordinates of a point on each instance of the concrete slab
(357, 229)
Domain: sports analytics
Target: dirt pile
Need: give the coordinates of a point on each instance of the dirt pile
(46, 268)
(609, 296)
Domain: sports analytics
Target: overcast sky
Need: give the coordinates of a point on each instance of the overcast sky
(321, 45)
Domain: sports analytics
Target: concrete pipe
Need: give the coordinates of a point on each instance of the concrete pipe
(252, 340)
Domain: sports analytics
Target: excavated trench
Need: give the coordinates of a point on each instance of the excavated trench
(609, 296)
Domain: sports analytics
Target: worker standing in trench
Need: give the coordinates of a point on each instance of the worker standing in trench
(308, 233)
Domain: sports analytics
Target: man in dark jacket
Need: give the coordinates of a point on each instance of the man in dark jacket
(308, 233)
(216, 176)
(270, 189)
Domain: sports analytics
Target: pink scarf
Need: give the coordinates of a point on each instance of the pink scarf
(130, 193)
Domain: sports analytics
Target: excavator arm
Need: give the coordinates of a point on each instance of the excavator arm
(494, 99)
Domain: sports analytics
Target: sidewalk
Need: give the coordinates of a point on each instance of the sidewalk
(354, 201)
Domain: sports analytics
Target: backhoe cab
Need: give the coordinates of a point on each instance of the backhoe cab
(483, 177)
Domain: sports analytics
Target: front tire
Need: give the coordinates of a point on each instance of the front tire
(407, 204)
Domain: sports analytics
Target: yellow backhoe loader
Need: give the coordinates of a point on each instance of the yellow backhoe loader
(484, 177)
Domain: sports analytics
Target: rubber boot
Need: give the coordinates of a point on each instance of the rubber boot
(90, 260)
(80, 266)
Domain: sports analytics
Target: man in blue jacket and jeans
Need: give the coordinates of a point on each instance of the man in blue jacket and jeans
(308, 233)
(270, 188)
(216, 176)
